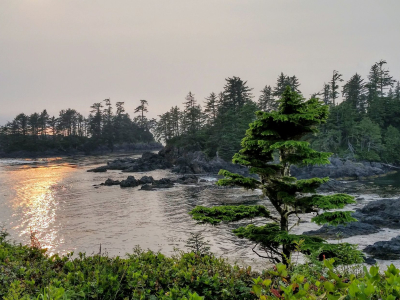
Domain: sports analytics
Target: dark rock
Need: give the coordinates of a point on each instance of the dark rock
(98, 169)
(110, 182)
(385, 249)
(146, 180)
(162, 181)
(369, 260)
(146, 187)
(148, 162)
(202, 180)
(198, 163)
(352, 229)
(381, 213)
(340, 169)
(129, 182)
(187, 179)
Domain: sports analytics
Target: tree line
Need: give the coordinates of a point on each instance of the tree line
(364, 120)
(106, 125)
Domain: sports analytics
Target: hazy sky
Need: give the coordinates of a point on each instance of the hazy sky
(72, 53)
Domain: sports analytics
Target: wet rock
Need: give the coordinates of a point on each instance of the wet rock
(110, 182)
(381, 213)
(385, 249)
(163, 183)
(129, 182)
(148, 162)
(98, 169)
(202, 180)
(146, 180)
(198, 163)
(339, 168)
(187, 179)
(369, 260)
(341, 231)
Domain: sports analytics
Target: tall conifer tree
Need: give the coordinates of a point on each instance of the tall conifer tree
(281, 132)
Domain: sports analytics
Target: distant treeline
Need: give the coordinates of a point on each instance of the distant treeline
(70, 130)
(365, 125)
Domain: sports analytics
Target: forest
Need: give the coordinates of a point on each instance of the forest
(363, 123)
(70, 130)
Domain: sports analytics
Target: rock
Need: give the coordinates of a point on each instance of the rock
(129, 182)
(352, 229)
(148, 162)
(98, 169)
(187, 179)
(163, 183)
(340, 169)
(146, 187)
(385, 249)
(146, 180)
(110, 182)
(198, 163)
(381, 213)
(202, 180)
(369, 260)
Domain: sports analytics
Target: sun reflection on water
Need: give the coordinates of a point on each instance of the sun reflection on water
(35, 190)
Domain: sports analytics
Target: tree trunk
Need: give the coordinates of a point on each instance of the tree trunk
(285, 247)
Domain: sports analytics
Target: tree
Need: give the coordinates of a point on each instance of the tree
(211, 108)
(192, 115)
(354, 92)
(284, 81)
(334, 86)
(281, 132)
(236, 94)
(142, 108)
(267, 102)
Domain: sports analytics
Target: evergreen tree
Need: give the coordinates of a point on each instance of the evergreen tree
(267, 102)
(211, 108)
(326, 94)
(236, 94)
(281, 132)
(281, 84)
(192, 117)
(334, 86)
(354, 92)
(142, 108)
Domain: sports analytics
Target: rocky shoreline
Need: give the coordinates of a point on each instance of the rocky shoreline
(372, 218)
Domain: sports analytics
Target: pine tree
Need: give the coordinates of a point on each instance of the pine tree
(267, 102)
(281, 84)
(142, 108)
(211, 108)
(354, 92)
(281, 132)
(334, 86)
(236, 94)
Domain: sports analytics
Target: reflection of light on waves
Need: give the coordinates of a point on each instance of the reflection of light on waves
(34, 188)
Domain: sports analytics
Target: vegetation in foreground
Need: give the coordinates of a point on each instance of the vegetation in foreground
(28, 273)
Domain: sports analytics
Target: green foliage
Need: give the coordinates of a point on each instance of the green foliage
(328, 283)
(280, 132)
(215, 215)
(197, 244)
(28, 273)
(334, 218)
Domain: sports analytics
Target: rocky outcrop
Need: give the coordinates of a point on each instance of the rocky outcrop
(385, 249)
(340, 168)
(146, 180)
(371, 218)
(341, 231)
(148, 162)
(198, 163)
(187, 179)
(129, 182)
(163, 183)
(110, 182)
(98, 169)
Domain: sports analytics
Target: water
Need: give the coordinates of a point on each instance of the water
(63, 204)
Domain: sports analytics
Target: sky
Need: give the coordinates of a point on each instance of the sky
(58, 54)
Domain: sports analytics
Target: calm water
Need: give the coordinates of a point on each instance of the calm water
(57, 199)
